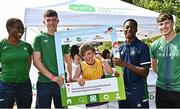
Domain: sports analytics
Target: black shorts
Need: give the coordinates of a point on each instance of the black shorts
(167, 99)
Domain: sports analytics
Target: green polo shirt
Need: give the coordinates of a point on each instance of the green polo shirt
(15, 61)
(45, 44)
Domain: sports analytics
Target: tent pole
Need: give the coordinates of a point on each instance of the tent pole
(25, 33)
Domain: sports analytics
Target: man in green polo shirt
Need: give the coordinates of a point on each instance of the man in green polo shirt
(165, 60)
(44, 57)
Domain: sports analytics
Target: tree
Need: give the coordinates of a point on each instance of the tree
(171, 6)
(150, 40)
(105, 45)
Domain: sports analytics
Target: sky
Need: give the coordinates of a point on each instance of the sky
(16, 8)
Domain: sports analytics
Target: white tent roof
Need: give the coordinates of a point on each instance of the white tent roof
(75, 13)
(92, 12)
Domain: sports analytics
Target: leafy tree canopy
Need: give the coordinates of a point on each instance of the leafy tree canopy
(171, 6)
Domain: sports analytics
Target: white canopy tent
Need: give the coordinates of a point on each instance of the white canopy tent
(75, 13)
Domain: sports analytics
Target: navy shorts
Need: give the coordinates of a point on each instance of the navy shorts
(19, 92)
(134, 99)
(46, 91)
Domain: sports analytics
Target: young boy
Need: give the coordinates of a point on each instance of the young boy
(91, 68)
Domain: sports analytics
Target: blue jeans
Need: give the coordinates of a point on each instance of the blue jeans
(46, 91)
(19, 92)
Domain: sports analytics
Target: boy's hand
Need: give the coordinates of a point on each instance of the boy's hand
(69, 80)
(100, 57)
(81, 81)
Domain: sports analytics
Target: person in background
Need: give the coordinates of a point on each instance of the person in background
(106, 54)
(91, 69)
(165, 61)
(44, 58)
(135, 60)
(75, 58)
(15, 59)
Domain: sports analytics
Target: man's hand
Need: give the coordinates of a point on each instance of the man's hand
(59, 80)
(118, 62)
(117, 74)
